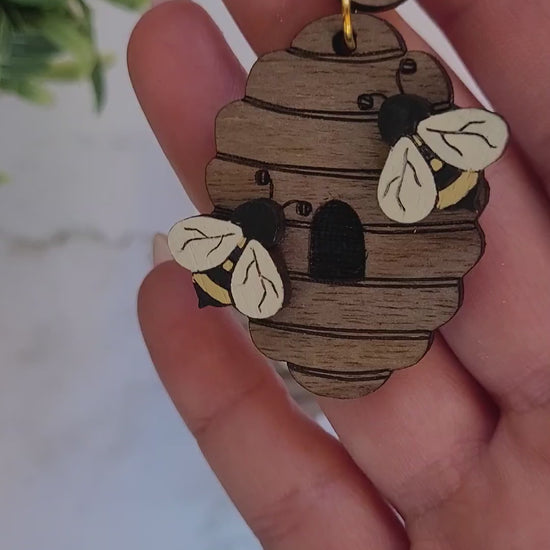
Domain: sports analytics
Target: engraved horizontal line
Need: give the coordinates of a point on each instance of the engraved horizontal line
(340, 378)
(459, 227)
(338, 173)
(395, 228)
(367, 57)
(376, 373)
(346, 334)
(386, 229)
(382, 282)
(339, 116)
(352, 376)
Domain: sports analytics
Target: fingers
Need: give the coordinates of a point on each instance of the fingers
(184, 73)
(283, 472)
(482, 340)
(504, 44)
(420, 435)
(501, 334)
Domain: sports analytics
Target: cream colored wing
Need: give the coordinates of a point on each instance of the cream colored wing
(407, 192)
(256, 286)
(469, 139)
(202, 243)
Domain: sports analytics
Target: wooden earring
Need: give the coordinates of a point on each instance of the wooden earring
(347, 188)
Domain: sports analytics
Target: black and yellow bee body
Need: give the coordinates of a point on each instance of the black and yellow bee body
(453, 184)
(213, 287)
(261, 220)
(399, 117)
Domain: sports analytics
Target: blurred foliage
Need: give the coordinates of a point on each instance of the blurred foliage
(44, 41)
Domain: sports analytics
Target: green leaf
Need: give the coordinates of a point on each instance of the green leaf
(62, 32)
(42, 4)
(68, 70)
(48, 40)
(4, 178)
(98, 85)
(65, 71)
(131, 4)
(28, 54)
(86, 12)
(5, 41)
(30, 90)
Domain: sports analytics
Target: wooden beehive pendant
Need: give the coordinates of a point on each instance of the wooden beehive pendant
(355, 226)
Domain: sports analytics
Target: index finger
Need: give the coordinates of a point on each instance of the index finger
(182, 91)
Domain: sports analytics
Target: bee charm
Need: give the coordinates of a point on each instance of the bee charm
(435, 160)
(230, 261)
(347, 188)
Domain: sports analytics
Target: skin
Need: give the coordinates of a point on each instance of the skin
(458, 445)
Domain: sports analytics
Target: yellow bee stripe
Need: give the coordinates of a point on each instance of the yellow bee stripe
(228, 265)
(458, 190)
(436, 165)
(214, 290)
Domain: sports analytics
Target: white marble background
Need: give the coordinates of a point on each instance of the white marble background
(92, 454)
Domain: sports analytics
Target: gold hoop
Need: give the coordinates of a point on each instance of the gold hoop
(349, 37)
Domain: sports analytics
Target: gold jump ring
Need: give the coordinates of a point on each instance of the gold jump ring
(349, 37)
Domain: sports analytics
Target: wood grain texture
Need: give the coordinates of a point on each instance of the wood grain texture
(348, 145)
(336, 386)
(371, 306)
(232, 183)
(369, 84)
(338, 351)
(423, 75)
(436, 251)
(306, 136)
(376, 40)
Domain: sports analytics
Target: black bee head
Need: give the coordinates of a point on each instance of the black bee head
(262, 220)
(400, 116)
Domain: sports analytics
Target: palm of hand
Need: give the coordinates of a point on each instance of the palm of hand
(459, 445)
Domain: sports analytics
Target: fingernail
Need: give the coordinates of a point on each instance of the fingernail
(161, 252)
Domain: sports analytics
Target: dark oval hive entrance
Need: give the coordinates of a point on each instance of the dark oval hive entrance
(337, 245)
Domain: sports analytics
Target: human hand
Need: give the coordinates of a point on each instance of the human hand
(458, 445)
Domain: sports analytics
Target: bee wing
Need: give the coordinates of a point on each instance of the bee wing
(256, 286)
(469, 139)
(202, 243)
(407, 190)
